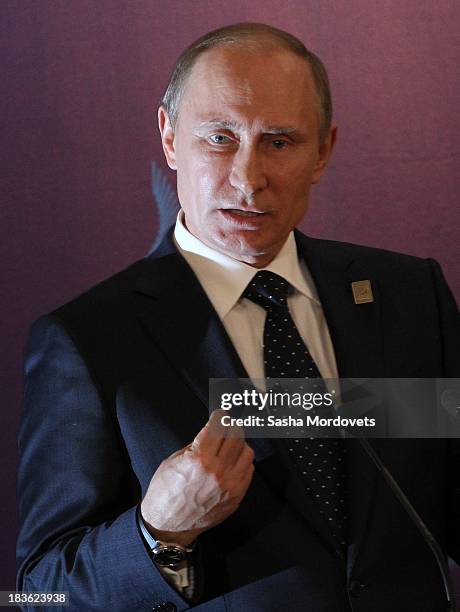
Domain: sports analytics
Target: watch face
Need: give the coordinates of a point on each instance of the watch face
(168, 556)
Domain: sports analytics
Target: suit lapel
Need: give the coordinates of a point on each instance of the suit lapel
(354, 328)
(356, 334)
(180, 318)
(182, 321)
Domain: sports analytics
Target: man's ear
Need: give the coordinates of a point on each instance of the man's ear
(167, 137)
(324, 154)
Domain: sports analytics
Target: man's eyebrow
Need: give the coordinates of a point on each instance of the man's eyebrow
(219, 124)
(280, 129)
(232, 125)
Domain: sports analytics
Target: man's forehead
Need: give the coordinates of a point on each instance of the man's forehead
(219, 86)
(241, 59)
(237, 77)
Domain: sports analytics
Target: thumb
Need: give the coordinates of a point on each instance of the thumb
(212, 434)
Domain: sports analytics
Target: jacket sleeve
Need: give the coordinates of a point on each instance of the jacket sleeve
(449, 323)
(77, 495)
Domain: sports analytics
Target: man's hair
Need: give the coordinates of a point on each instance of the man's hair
(249, 35)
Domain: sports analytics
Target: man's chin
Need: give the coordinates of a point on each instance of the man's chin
(251, 253)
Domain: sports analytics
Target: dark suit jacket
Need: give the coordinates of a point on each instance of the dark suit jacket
(118, 379)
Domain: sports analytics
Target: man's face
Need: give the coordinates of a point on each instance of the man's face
(246, 149)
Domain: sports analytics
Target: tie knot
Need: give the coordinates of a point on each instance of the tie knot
(268, 289)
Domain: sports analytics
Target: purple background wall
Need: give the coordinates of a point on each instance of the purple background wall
(81, 80)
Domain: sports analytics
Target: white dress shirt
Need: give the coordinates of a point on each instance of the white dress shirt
(224, 279)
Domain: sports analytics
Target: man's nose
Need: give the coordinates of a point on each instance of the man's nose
(248, 172)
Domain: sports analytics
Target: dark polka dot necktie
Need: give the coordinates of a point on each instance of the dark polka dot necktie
(319, 461)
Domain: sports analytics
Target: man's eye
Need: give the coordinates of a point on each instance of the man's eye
(219, 139)
(279, 143)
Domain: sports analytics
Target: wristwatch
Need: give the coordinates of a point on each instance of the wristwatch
(166, 554)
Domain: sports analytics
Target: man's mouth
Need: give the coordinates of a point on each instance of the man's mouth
(244, 213)
(244, 219)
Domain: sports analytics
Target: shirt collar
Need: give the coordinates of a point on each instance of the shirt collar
(224, 279)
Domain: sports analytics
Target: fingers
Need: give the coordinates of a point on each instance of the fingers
(242, 472)
(238, 491)
(209, 439)
(232, 439)
(228, 459)
(215, 439)
(230, 450)
(241, 489)
(238, 478)
(244, 462)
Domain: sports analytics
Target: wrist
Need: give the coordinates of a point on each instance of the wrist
(168, 549)
(182, 538)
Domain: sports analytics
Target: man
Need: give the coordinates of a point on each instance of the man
(128, 501)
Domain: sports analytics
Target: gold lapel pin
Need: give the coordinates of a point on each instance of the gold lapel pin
(362, 292)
